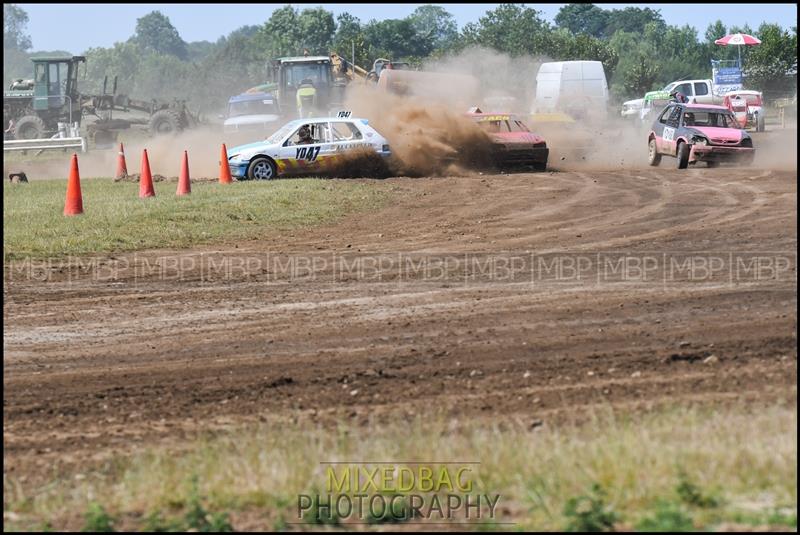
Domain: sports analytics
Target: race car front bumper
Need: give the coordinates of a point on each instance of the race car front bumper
(715, 153)
(509, 155)
(238, 169)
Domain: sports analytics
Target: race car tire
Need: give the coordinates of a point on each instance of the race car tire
(654, 157)
(760, 123)
(712, 163)
(540, 166)
(683, 155)
(262, 168)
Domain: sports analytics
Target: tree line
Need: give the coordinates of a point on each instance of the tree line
(639, 51)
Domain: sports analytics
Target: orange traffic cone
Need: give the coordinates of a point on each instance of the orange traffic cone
(184, 183)
(73, 205)
(224, 169)
(122, 167)
(146, 179)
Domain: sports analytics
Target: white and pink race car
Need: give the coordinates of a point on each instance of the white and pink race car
(748, 108)
(699, 132)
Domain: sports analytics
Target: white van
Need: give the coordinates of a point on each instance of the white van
(571, 86)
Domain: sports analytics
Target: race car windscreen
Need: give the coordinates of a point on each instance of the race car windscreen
(752, 100)
(709, 118)
(501, 124)
(281, 133)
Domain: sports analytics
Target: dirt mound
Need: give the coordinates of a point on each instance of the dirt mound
(136, 177)
(161, 178)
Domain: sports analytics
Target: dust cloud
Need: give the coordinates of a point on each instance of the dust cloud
(506, 84)
(428, 139)
(430, 134)
(427, 128)
(777, 149)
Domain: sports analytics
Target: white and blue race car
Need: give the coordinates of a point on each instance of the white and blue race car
(286, 153)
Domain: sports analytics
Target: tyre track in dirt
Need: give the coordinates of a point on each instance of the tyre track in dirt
(96, 367)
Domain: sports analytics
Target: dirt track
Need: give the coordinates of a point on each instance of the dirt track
(149, 353)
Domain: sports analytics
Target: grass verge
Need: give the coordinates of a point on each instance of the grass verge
(115, 219)
(679, 469)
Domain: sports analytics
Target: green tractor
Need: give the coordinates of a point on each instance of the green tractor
(52, 97)
(305, 85)
(38, 106)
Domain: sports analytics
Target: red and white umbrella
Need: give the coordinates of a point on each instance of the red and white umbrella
(739, 40)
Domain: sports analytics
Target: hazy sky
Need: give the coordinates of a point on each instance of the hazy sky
(76, 27)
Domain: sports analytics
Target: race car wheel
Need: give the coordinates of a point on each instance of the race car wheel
(760, 123)
(654, 157)
(261, 169)
(683, 155)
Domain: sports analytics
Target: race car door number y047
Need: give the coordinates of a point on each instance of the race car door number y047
(669, 133)
(306, 153)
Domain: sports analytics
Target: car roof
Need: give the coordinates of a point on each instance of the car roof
(489, 114)
(713, 107)
(485, 115)
(301, 59)
(743, 92)
(337, 119)
(244, 97)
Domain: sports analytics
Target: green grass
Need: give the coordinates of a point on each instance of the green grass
(679, 468)
(115, 219)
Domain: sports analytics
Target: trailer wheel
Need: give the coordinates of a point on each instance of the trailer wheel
(165, 122)
(29, 127)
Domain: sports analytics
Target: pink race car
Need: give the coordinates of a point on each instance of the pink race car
(699, 132)
(514, 145)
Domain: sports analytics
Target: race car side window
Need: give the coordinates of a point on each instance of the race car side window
(343, 131)
(674, 117)
(664, 114)
(319, 134)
